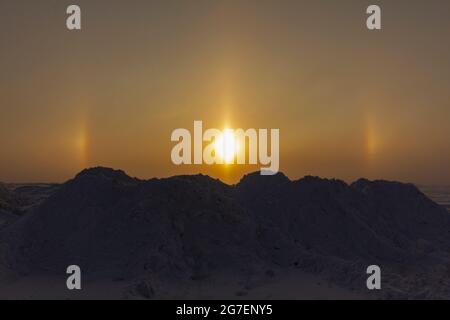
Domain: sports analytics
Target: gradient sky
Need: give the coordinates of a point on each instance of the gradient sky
(349, 102)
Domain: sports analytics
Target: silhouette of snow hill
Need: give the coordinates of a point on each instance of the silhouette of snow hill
(191, 227)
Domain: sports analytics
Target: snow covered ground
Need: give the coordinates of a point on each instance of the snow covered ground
(290, 284)
(194, 237)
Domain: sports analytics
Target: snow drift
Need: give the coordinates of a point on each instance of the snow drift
(192, 227)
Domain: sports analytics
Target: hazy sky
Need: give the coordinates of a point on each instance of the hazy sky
(349, 102)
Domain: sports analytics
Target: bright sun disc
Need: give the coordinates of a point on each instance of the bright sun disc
(226, 146)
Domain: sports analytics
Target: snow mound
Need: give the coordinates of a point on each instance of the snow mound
(192, 227)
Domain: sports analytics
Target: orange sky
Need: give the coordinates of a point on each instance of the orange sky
(349, 103)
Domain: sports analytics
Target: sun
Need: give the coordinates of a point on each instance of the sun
(226, 146)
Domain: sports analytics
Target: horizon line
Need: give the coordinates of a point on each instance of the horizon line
(206, 175)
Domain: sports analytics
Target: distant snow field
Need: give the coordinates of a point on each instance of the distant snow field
(439, 194)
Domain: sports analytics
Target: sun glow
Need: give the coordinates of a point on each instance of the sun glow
(81, 145)
(226, 146)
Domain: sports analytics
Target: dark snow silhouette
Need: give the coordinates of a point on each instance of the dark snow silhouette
(194, 227)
